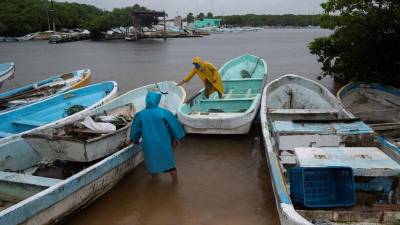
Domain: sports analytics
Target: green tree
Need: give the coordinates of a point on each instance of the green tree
(210, 15)
(190, 18)
(365, 43)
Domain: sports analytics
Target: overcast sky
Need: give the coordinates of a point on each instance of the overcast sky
(218, 7)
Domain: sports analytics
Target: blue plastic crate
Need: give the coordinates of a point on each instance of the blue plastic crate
(322, 187)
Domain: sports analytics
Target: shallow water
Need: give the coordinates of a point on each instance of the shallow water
(223, 179)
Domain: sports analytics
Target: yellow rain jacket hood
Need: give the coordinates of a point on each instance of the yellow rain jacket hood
(206, 72)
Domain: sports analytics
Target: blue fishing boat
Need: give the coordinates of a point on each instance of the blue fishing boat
(38, 91)
(234, 113)
(7, 71)
(49, 112)
(32, 193)
(377, 105)
(326, 166)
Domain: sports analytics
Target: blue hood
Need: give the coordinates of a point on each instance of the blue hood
(152, 99)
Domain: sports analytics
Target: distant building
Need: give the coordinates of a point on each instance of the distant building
(207, 22)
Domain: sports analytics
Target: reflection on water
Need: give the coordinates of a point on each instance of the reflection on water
(223, 179)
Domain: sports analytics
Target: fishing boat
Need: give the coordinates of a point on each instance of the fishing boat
(92, 137)
(377, 105)
(48, 191)
(58, 109)
(326, 165)
(7, 71)
(242, 79)
(43, 89)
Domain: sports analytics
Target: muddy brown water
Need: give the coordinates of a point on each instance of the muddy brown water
(222, 179)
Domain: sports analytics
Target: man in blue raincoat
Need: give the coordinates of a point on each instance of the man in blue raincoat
(160, 132)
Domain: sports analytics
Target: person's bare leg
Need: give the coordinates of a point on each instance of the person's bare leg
(174, 176)
(155, 177)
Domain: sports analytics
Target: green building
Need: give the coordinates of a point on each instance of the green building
(207, 22)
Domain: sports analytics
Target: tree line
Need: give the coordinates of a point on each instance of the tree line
(19, 17)
(365, 44)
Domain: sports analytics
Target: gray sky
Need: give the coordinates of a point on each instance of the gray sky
(218, 7)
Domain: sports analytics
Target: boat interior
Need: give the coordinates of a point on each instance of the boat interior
(120, 117)
(309, 128)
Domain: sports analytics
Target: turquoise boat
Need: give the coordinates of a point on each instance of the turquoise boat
(376, 104)
(7, 70)
(305, 128)
(234, 113)
(38, 91)
(34, 193)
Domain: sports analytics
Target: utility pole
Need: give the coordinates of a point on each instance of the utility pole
(48, 18)
(52, 15)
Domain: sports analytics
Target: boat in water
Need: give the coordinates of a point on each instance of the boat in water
(101, 133)
(55, 110)
(7, 71)
(50, 190)
(326, 166)
(234, 113)
(38, 91)
(377, 105)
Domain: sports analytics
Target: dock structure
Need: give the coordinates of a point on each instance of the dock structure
(146, 18)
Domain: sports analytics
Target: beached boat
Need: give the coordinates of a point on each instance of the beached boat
(55, 110)
(377, 105)
(347, 176)
(49, 191)
(7, 70)
(43, 89)
(242, 79)
(84, 140)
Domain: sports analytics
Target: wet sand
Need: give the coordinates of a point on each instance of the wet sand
(222, 180)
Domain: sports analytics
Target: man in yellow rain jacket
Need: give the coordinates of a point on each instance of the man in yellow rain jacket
(208, 74)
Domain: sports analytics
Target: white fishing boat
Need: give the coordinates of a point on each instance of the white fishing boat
(41, 195)
(377, 105)
(43, 89)
(326, 166)
(85, 140)
(234, 113)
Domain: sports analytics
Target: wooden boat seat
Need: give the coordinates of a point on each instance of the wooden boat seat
(27, 122)
(238, 105)
(16, 187)
(302, 111)
(290, 127)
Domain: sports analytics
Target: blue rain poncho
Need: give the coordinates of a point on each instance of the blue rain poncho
(157, 127)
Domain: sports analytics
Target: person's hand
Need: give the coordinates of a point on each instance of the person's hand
(175, 143)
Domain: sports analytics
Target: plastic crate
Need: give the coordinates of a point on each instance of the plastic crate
(322, 187)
